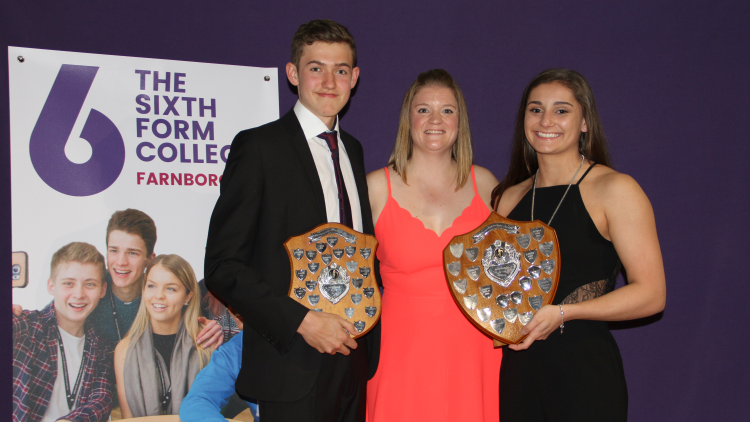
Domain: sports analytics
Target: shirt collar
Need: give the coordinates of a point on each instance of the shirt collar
(312, 126)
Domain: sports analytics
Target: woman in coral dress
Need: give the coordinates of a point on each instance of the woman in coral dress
(434, 364)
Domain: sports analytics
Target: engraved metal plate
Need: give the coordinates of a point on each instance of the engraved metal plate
(516, 297)
(545, 284)
(484, 314)
(536, 302)
(486, 291)
(310, 284)
(311, 255)
(357, 283)
(351, 266)
(524, 240)
(356, 298)
(498, 325)
(546, 248)
(365, 252)
(301, 274)
(313, 267)
(338, 253)
(525, 317)
(299, 292)
(333, 283)
(368, 291)
(535, 271)
(472, 253)
(349, 312)
(484, 231)
(457, 249)
(502, 300)
(460, 285)
(537, 233)
(350, 250)
(359, 325)
(314, 299)
(370, 311)
(525, 283)
(511, 314)
(470, 301)
(317, 310)
(332, 240)
(501, 262)
(364, 271)
(326, 257)
(474, 272)
(298, 253)
(530, 256)
(320, 246)
(548, 266)
(454, 268)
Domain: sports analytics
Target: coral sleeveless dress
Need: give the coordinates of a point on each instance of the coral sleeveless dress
(434, 364)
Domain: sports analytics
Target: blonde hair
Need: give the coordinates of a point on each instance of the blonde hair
(461, 152)
(80, 252)
(184, 272)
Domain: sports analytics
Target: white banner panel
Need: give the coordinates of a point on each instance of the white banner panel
(92, 134)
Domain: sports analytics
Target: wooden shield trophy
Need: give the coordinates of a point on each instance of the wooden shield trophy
(501, 273)
(333, 271)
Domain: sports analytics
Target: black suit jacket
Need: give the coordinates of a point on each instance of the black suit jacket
(270, 191)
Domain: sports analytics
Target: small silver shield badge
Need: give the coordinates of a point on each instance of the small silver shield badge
(498, 325)
(530, 256)
(546, 248)
(365, 252)
(472, 253)
(511, 314)
(370, 311)
(368, 291)
(351, 266)
(326, 257)
(470, 301)
(314, 299)
(525, 317)
(297, 253)
(548, 266)
(460, 286)
(364, 271)
(474, 272)
(537, 233)
(457, 249)
(484, 314)
(338, 253)
(301, 274)
(545, 284)
(350, 250)
(299, 292)
(516, 297)
(525, 283)
(349, 312)
(535, 271)
(313, 267)
(357, 283)
(502, 300)
(320, 246)
(486, 291)
(332, 240)
(310, 285)
(524, 240)
(536, 302)
(454, 268)
(311, 255)
(359, 325)
(356, 298)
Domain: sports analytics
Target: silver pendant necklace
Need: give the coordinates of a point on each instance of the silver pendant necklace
(533, 192)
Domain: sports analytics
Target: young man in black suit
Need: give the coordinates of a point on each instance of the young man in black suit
(281, 180)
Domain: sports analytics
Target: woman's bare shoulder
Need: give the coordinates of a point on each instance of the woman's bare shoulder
(377, 180)
(512, 196)
(486, 182)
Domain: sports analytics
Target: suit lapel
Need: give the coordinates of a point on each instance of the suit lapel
(299, 142)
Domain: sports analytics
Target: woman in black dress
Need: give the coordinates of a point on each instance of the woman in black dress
(560, 173)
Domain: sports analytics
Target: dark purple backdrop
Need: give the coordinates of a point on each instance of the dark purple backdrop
(671, 83)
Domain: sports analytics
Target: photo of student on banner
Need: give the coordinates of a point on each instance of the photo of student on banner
(61, 368)
(158, 359)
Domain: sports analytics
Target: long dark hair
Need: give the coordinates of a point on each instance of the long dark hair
(592, 144)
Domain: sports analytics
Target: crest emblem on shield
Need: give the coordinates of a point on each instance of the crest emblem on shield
(501, 273)
(335, 278)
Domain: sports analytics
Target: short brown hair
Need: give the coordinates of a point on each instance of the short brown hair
(323, 30)
(134, 222)
(80, 252)
(462, 151)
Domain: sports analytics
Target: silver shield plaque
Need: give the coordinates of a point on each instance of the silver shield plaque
(351, 266)
(314, 299)
(357, 283)
(333, 283)
(548, 266)
(364, 271)
(365, 252)
(535, 271)
(349, 312)
(516, 297)
(472, 253)
(310, 285)
(536, 302)
(332, 240)
(524, 240)
(498, 325)
(370, 311)
(350, 250)
(454, 268)
(313, 267)
(511, 314)
(486, 291)
(368, 291)
(501, 262)
(311, 255)
(338, 253)
(359, 325)
(525, 317)
(326, 257)
(297, 253)
(530, 256)
(537, 233)
(320, 246)
(299, 292)
(474, 272)
(460, 286)
(545, 284)
(546, 248)
(525, 283)
(502, 300)
(356, 298)
(484, 314)
(457, 249)
(470, 301)
(301, 274)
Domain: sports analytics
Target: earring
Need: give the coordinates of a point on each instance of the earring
(185, 304)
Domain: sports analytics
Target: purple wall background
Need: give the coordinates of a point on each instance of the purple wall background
(671, 83)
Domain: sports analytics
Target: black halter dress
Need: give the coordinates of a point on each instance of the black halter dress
(578, 375)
